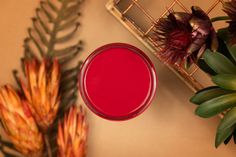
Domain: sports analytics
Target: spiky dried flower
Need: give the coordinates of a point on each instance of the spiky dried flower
(72, 134)
(42, 92)
(19, 123)
(181, 35)
(229, 8)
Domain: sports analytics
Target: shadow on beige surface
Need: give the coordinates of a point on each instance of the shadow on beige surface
(168, 128)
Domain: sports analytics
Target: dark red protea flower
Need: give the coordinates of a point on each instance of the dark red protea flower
(230, 9)
(181, 35)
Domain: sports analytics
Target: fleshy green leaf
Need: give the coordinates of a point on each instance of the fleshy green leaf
(232, 50)
(216, 105)
(220, 18)
(228, 139)
(205, 67)
(223, 49)
(228, 121)
(225, 81)
(223, 34)
(207, 94)
(219, 63)
(223, 135)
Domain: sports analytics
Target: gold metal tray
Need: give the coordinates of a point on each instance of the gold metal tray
(140, 21)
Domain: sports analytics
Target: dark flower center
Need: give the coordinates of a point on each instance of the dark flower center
(180, 39)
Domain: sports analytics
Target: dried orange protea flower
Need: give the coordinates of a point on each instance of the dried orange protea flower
(42, 91)
(72, 134)
(19, 123)
(181, 35)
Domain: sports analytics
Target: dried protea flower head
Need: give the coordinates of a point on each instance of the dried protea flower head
(181, 35)
(72, 134)
(19, 123)
(42, 91)
(229, 8)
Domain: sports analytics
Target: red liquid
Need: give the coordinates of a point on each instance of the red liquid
(118, 81)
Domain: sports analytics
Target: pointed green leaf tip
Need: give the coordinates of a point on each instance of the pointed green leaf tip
(223, 135)
(226, 127)
(229, 120)
(205, 67)
(207, 94)
(225, 81)
(216, 105)
(219, 63)
(232, 50)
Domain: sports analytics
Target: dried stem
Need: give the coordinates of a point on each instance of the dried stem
(48, 147)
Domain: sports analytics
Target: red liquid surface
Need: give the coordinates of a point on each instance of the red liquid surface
(118, 82)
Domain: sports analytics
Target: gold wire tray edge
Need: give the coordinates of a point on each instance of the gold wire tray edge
(114, 11)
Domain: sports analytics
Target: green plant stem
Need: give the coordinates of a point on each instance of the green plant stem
(220, 18)
(48, 147)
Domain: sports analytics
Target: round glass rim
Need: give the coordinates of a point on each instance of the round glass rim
(93, 107)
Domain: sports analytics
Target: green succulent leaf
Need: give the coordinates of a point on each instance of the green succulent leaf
(223, 49)
(225, 81)
(205, 67)
(228, 139)
(208, 94)
(219, 63)
(216, 105)
(220, 18)
(228, 121)
(232, 50)
(223, 135)
(223, 33)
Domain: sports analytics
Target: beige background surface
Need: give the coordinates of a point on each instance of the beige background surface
(168, 128)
